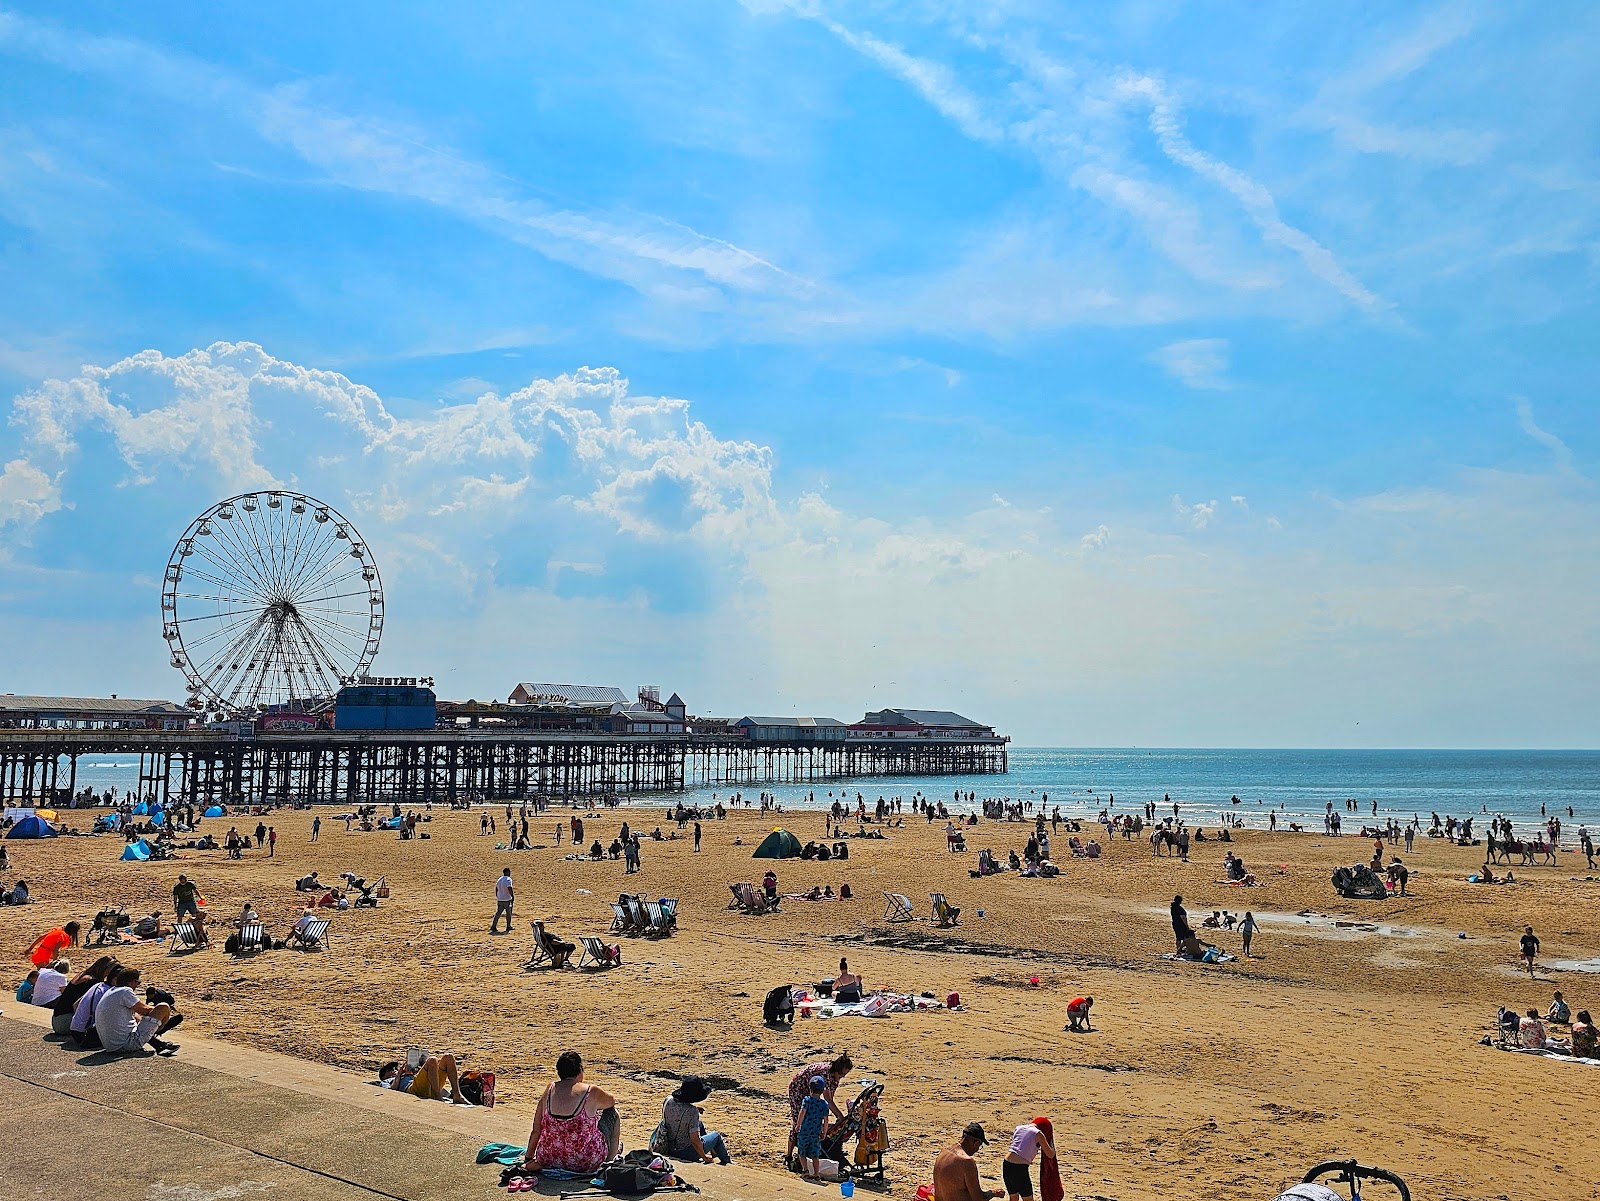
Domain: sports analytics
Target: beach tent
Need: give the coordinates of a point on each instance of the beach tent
(142, 809)
(137, 851)
(32, 827)
(780, 844)
(214, 811)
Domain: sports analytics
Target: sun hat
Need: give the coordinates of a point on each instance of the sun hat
(692, 1090)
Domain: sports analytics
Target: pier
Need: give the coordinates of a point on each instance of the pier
(40, 767)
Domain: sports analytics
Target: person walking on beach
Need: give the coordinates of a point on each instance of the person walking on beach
(697, 838)
(316, 828)
(504, 894)
(1530, 948)
(1248, 928)
(955, 1172)
(272, 842)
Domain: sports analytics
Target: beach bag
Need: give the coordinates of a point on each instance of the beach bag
(875, 1007)
(231, 944)
(636, 1172)
(383, 891)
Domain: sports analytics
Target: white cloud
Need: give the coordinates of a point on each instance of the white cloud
(1096, 539)
(1558, 448)
(1196, 362)
(26, 494)
(653, 255)
(1241, 501)
(1198, 515)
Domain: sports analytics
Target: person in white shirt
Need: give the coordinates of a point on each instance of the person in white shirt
(504, 894)
(126, 1024)
(52, 980)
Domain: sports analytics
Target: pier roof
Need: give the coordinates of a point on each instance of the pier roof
(577, 694)
(10, 702)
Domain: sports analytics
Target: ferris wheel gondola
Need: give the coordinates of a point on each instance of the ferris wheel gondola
(270, 597)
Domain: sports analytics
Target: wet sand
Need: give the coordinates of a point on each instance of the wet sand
(1198, 1081)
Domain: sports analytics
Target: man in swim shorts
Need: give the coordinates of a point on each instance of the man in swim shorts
(955, 1172)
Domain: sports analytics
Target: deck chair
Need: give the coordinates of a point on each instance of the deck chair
(596, 952)
(944, 913)
(641, 917)
(738, 901)
(898, 908)
(669, 913)
(621, 923)
(541, 955)
(313, 937)
(186, 936)
(753, 900)
(252, 937)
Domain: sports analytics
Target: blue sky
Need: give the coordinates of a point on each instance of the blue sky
(1161, 374)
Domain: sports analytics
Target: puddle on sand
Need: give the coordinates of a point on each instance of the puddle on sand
(1318, 925)
(1576, 965)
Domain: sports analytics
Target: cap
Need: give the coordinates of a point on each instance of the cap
(975, 1132)
(819, 1082)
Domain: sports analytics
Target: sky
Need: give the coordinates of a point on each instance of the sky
(1155, 373)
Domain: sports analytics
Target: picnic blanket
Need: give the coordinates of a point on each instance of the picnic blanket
(1221, 957)
(877, 1005)
(1593, 1063)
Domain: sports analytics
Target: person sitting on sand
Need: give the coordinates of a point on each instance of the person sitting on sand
(682, 1133)
(29, 983)
(1530, 1031)
(17, 894)
(1583, 1036)
(1214, 922)
(847, 985)
(955, 1172)
(426, 1080)
(1078, 1015)
(1560, 1013)
(308, 883)
(596, 851)
(569, 1122)
(1486, 875)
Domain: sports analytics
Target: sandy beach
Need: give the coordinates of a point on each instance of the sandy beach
(1197, 1081)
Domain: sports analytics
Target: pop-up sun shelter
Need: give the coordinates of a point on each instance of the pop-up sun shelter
(214, 811)
(137, 851)
(32, 827)
(780, 844)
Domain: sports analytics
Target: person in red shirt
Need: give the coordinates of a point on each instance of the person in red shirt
(49, 945)
(1078, 1014)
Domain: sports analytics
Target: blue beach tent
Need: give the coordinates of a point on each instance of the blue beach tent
(142, 809)
(137, 851)
(32, 827)
(214, 811)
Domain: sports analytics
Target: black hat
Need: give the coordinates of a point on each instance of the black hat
(693, 1089)
(975, 1132)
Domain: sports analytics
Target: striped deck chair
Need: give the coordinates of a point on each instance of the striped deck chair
(596, 952)
(186, 936)
(252, 937)
(313, 937)
(944, 913)
(621, 923)
(898, 908)
(541, 955)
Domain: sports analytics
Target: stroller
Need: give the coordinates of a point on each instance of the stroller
(778, 1008)
(108, 925)
(1341, 1171)
(863, 1121)
(369, 892)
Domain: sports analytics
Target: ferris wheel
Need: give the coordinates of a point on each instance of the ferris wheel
(270, 597)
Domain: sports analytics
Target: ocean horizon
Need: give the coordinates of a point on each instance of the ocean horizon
(1298, 783)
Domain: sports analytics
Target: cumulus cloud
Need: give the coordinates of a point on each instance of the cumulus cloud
(26, 494)
(1198, 515)
(1096, 539)
(1196, 362)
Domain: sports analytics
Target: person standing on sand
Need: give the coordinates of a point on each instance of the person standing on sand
(1181, 930)
(272, 842)
(955, 1172)
(697, 838)
(316, 828)
(504, 894)
(1248, 928)
(1530, 948)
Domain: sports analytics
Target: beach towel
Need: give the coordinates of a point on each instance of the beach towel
(501, 1153)
(1220, 957)
(1049, 1169)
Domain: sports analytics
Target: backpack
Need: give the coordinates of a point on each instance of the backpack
(637, 1172)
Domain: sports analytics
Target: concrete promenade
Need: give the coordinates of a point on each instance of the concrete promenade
(221, 1123)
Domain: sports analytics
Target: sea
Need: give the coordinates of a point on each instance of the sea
(1522, 785)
